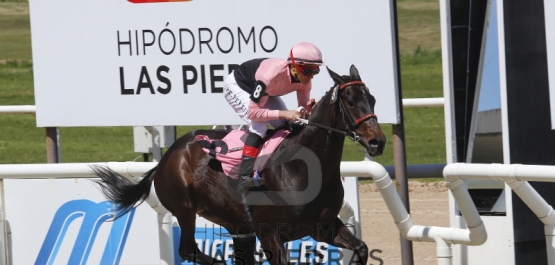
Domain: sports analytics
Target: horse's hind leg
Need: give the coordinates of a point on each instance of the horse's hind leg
(176, 198)
(339, 235)
(188, 249)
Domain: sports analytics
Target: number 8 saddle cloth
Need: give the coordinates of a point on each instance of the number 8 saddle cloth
(229, 149)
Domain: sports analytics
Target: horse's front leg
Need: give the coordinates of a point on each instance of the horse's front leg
(244, 249)
(339, 235)
(274, 250)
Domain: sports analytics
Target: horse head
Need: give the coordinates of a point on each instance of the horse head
(354, 111)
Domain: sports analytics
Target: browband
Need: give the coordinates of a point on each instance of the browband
(350, 84)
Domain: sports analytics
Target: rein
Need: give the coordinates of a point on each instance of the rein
(354, 124)
(305, 121)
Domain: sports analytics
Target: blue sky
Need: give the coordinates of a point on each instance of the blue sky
(490, 97)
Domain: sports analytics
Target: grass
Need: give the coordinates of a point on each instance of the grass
(22, 142)
(419, 25)
(15, 31)
(421, 74)
(16, 83)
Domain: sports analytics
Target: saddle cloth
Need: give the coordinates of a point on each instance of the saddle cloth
(229, 150)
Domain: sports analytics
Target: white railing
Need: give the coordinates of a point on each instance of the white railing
(423, 102)
(18, 109)
(127, 169)
(443, 236)
(407, 103)
(71, 170)
(516, 176)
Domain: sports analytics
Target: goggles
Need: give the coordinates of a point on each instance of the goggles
(305, 70)
(308, 71)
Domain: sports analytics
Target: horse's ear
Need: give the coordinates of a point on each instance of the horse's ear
(354, 73)
(335, 91)
(336, 78)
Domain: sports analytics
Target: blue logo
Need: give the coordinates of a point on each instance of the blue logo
(94, 215)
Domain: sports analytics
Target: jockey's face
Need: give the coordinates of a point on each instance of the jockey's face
(305, 72)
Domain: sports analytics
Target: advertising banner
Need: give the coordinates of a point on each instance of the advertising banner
(138, 63)
(68, 221)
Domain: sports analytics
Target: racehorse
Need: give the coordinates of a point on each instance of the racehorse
(302, 195)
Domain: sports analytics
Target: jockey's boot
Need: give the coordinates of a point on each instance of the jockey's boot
(250, 151)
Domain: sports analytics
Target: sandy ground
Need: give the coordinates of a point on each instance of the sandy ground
(429, 205)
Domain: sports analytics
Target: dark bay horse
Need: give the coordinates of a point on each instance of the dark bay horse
(303, 192)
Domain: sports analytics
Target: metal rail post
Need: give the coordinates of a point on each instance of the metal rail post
(52, 145)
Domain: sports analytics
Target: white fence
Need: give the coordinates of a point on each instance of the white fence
(516, 176)
(407, 102)
(443, 236)
(76, 171)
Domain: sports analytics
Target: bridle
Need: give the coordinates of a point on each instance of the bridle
(351, 124)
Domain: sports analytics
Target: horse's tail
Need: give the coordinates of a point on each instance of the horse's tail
(126, 194)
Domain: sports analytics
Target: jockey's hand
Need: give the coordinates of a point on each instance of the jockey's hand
(310, 105)
(290, 115)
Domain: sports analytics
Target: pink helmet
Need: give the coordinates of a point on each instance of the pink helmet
(305, 52)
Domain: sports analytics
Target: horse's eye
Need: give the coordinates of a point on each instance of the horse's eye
(351, 103)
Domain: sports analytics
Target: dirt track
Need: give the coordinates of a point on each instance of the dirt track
(429, 205)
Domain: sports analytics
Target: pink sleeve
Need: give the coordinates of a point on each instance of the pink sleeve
(256, 112)
(303, 96)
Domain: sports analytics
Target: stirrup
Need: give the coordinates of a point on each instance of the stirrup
(246, 182)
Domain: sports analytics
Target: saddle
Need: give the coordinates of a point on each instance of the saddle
(228, 150)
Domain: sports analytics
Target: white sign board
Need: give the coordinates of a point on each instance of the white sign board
(67, 221)
(549, 9)
(118, 63)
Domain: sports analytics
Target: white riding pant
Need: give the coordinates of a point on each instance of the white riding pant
(239, 100)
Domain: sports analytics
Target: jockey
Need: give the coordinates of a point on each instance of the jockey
(253, 90)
